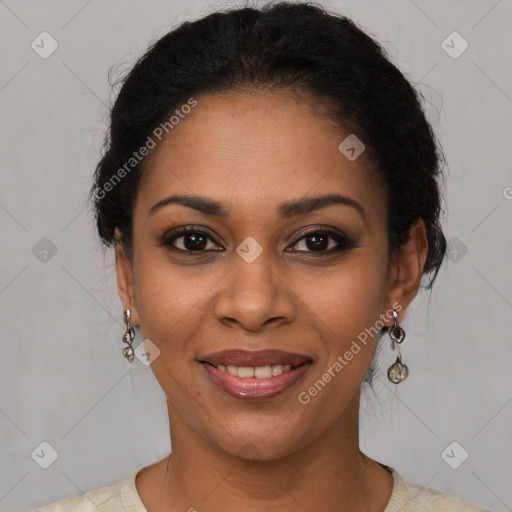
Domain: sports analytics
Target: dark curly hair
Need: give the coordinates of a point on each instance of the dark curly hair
(300, 47)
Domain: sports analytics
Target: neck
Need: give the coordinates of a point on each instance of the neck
(329, 473)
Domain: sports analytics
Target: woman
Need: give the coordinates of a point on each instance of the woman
(270, 186)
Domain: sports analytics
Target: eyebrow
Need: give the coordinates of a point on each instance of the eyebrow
(287, 209)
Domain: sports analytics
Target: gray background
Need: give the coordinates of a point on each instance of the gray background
(63, 379)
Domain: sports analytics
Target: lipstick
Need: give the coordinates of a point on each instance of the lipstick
(255, 374)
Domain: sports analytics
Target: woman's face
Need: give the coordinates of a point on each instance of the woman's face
(262, 267)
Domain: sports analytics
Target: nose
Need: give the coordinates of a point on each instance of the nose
(254, 296)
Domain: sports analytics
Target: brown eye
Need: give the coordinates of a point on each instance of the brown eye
(323, 242)
(193, 242)
(189, 240)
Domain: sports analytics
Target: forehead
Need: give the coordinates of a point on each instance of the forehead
(251, 151)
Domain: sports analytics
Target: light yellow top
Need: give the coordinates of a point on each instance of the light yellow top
(123, 496)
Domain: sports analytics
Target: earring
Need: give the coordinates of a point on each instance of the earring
(128, 336)
(398, 371)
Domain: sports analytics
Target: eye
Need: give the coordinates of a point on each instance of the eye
(189, 239)
(321, 241)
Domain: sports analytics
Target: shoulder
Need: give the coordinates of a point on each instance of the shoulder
(410, 497)
(118, 497)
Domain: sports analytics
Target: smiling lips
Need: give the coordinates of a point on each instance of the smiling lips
(255, 375)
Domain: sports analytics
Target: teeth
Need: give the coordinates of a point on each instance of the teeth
(259, 372)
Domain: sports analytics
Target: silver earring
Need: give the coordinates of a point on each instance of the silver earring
(398, 371)
(128, 336)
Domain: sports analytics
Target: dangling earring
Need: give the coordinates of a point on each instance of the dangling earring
(128, 336)
(398, 371)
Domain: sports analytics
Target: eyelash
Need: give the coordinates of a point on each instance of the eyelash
(344, 242)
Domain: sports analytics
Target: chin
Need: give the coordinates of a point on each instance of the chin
(260, 444)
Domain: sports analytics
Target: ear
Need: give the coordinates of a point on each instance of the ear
(406, 270)
(125, 285)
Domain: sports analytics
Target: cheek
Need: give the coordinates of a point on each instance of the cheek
(173, 303)
(348, 296)
(348, 308)
(346, 314)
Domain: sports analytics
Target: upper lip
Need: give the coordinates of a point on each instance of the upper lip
(248, 358)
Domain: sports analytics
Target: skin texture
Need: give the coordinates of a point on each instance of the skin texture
(251, 152)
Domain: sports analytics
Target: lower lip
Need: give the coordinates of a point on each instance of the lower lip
(251, 388)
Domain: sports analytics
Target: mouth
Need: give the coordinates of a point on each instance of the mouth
(255, 375)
